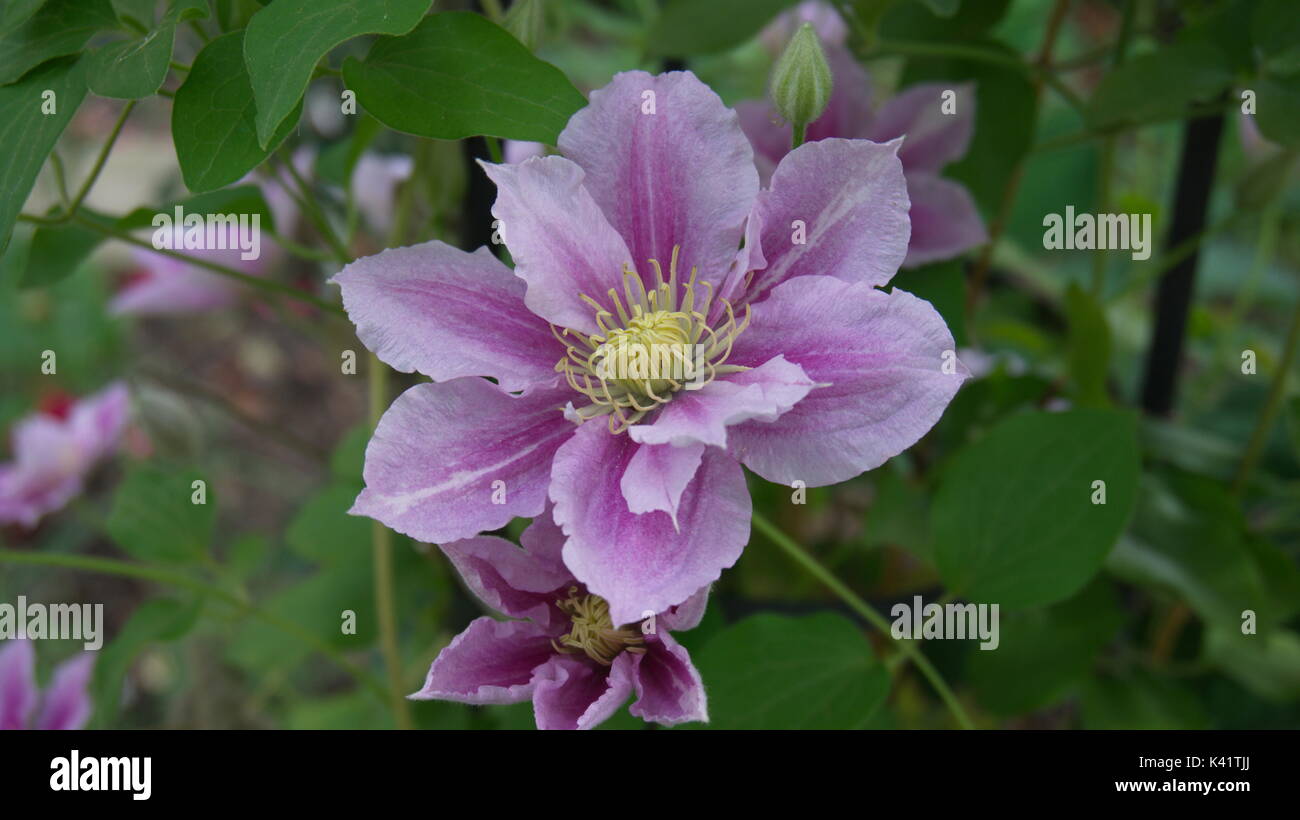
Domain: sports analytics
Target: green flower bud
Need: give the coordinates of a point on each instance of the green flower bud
(801, 79)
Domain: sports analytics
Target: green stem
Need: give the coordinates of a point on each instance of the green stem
(1264, 426)
(56, 162)
(71, 210)
(314, 213)
(494, 149)
(267, 285)
(906, 647)
(159, 575)
(382, 543)
(797, 134)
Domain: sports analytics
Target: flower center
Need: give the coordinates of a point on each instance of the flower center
(656, 343)
(591, 630)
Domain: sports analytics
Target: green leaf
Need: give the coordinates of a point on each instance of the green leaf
(1014, 522)
(132, 69)
(943, 285)
(1266, 664)
(55, 253)
(285, 40)
(212, 118)
(161, 619)
(688, 28)
(1159, 85)
(323, 531)
(240, 199)
(942, 8)
(1089, 348)
(925, 20)
(155, 519)
(349, 455)
(28, 135)
(1275, 32)
(774, 672)
(61, 27)
(1188, 537)
(1277, 110)
(458, 75)
(136, 68)
(1042, 653)
(1140, 700)
(16, 12)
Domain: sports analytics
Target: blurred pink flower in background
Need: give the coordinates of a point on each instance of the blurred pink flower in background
(65, 703)
(55, 449)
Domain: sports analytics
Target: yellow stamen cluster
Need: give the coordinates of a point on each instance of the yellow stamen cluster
(661, 335)
(593, 632)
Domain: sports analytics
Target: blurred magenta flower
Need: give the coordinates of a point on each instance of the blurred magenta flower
(945, 220)
(809, 372)
(563, 650)
(55, 449)
(65, 703)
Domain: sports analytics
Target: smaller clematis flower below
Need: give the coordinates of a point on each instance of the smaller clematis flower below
(65, 703)
(55, 449)
(563, 651)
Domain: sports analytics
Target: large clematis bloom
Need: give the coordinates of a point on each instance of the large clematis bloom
(65, 704)
(627, 242)
(563, 651)
(55, 449)
(945, 220)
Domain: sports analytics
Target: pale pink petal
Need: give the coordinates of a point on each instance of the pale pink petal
(440, 311)
(641, 563)
(945, 220)
(657, 476)
(97, 421)
(67, 703)
(375, 180)
(836, 208)
(490, 662)
(509, 580)
(433, 463)
(703, 415)
(167, 285)
(668, 687)
(932, 138)
(572, 692)
(882, 356)
(680, 176)
(562, 245)
(687, 614)
(18, 692)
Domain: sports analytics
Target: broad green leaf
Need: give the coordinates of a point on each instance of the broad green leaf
(1189, 537)
(1043, 652)
(159, 620)
(1014, 521)
(942, 8)
(924, 20)
(60, 27)
(1159, 85)
(154, 517)
(131, 69)
(349, 454)
(240, 199)
(28, 134)
(323, 531)
(14, 13)
(1140, 700)
(1267, 664)
(458, 75)
(774, 672)
(136, 13)
(687, 28)
(212, 118)
(1275, 33)
(285, 40)
(1277, 110)
(1089, 348)
(943, 285)
(55, 253)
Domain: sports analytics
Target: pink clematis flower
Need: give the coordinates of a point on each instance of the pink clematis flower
(627, 242)
(54, 451)
(65, 704)
(945, 220)
(564, 652)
